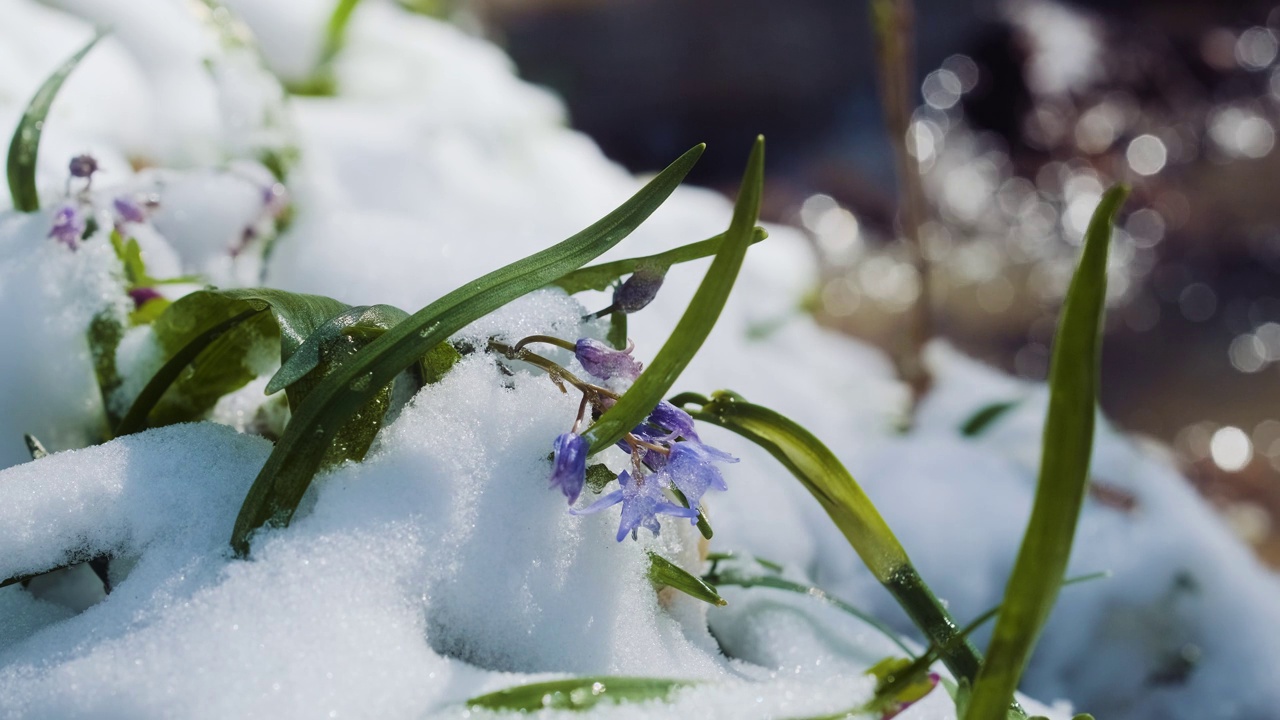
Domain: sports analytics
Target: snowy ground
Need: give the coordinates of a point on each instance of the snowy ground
(442, 567)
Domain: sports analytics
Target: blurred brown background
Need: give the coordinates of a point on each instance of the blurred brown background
(1028, 109)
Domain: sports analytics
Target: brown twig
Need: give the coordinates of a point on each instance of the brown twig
(893, 21)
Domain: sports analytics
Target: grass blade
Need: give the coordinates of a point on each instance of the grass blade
(578, 693)
(697, 321)
(827, 479)
(664, 573)
(296, 458)
(985, 417)
(1064, 474)
(776, 583)
(599, 277)
(24, 148)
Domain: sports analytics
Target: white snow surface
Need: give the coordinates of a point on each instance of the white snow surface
(442, 567)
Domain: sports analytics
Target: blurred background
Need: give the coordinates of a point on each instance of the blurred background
(1024, 112)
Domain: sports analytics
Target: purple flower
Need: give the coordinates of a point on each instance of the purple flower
(142, 296)
(129, 210)
(569, 466)
(639, 289)
(690, 469)
(83, 166)
(68, 226)
(642, 500)
(604, 362)
(674, 420)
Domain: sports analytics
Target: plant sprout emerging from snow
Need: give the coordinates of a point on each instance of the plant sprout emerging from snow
(667, 456)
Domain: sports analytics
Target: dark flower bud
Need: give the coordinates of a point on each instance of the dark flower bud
(83, 166)
(639, 289)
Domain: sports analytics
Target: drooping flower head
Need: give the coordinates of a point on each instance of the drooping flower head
(674, 420)
(642, 501)
(606, 363)
(68, 226)
(569, 465)
(639, 289)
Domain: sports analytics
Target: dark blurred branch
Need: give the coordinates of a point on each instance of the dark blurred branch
(893, 22)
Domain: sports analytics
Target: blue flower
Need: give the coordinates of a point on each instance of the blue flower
(569, 466)
(604, 362)
(639, 289)
(675, 421)
(642, 501)
(68, 226)
(690, 469)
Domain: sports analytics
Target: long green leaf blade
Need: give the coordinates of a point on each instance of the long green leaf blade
(296, 458)
(578, 693)
(826, 478)
(598, 277)
(24, 148)
(1064, 474)
(697, 321)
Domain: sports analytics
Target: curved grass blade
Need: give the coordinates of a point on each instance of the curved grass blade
(826, 478)
(664, 573)
(24, 148)
(578, 693)
(776, 583)
(1064, 474)
(296, 458)
(697, 321)
(985, 417)
(599, 277)
(208, 337)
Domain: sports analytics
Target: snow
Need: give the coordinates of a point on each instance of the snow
(442, 567)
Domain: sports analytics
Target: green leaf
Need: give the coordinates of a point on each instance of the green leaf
(104, 335)
(664, 573)
(600, 277)
(578, 693)
(348, 322)
(211, 340)
(25, 145)
(697, 321)
(823, 475)
(296, 458)
(618, 330)
(598, 476)
(335, 35)
(1064, 474)
(985, 417)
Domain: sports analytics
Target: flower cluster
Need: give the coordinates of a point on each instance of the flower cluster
(669, 461)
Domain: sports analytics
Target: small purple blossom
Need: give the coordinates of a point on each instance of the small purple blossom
(83, 166)
(639, 289)
(690, 469)
(894, 710)
(604, 362)
(674, 420)
(642, 501)
(142, 296)
(569, 466)
(129, 210)
(68, 226)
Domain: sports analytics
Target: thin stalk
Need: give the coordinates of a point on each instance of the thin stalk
(893, 21)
